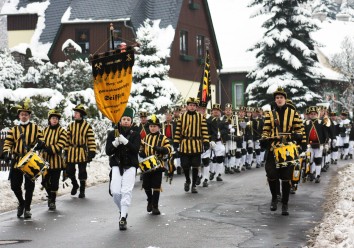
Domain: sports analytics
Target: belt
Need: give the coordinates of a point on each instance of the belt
(80, 146)
(191, 138)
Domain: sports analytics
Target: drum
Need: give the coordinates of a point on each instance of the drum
(149, 164)
(32, 165)
(285, 155)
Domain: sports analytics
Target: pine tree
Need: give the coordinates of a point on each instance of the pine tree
(347, 7)
(329, 7)
(11, 72)
(285, 55)
(75, 75)
(151, 88)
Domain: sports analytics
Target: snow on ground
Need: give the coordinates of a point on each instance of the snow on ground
(97, 170)
(335, 231)
(337, 227)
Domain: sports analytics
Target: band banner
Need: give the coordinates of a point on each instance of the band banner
(112, 76)
(204, 93)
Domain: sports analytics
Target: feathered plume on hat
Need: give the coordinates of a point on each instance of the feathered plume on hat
(81, 109)
(54, 112)
(25, 107)
(154, 121)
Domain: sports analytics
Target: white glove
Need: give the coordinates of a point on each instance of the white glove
(123, 140)
(116, 142)
(212, 144)
(303, 154)
(232, 130)
(230, 126)
(250, 143)
(334, 142)
(326, 147)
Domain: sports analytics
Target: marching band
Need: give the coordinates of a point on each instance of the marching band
(202, 146)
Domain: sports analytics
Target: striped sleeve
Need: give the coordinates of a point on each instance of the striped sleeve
(205, 131)
(267, 127)
(91, 143)
(177, 135)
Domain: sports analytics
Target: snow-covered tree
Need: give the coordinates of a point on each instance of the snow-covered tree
(11, 72)
(285, 55)
(330, 7)
(152, 90)
(347, 7)
(344, 62)
(75, 75)
(50, 77)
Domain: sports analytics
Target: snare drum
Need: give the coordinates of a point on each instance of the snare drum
(149, 164)
(32, 165)
(285, 154)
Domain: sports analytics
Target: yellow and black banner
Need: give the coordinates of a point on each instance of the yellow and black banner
(204, 93)
(112, 76)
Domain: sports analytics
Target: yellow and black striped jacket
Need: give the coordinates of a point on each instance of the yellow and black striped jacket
(191, 133)
(290, 122)
(14, 142)
(156, 139)
(81, 139)
(55, 138)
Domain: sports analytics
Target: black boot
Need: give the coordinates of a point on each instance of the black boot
(52, 199)
(285, 187)
(198, 180)
(274, 204)
(155, 202)
(75, 186)
(21, 203)
(82, 189)
(194, 189)
(148, 193)
(273, 191)
(123, 224)
(284, 209)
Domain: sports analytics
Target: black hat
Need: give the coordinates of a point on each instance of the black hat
(143, 114)
(128, 112)
(312, 109)
(344, 113)
(333, 114)
(249, 109)
(216, 106)
(194, 100)
(228, 105)
(24, 107)
(154, 121)
(81, 109)
(280, 91)
(54, 112)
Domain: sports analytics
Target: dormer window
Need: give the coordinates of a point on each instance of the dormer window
(83, 40)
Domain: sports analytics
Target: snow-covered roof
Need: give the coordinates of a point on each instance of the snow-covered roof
(234, 40)
(37, 47)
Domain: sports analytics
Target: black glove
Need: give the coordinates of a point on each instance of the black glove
(142, 154)
(158, 149)
(206, 146)
(48, 150)
(296, 137)
(264, 143)
(7, 157)
(91, 155)
(40, 145)
(175, 146)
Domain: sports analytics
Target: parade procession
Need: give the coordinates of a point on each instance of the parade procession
(196, 123)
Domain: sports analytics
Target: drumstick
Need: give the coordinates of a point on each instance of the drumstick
(146, 143)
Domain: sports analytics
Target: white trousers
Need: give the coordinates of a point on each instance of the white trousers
(122, 187)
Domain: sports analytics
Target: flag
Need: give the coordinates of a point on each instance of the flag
(204, 93)
(112, 76)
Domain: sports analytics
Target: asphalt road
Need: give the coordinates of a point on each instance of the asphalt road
(232, 213)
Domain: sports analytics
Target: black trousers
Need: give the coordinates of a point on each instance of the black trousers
(16, 180)
(273, 173)
(152, 180)
(51, 181)
(71, 170)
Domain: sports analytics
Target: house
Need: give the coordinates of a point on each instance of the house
(43, 27)
(238, 61)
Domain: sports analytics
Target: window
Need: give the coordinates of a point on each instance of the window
(117, 37)
(83, 40)
(183, 42)
(200, 46)
(238, 94)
